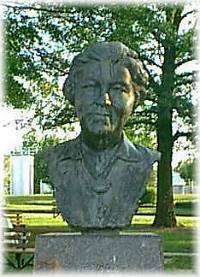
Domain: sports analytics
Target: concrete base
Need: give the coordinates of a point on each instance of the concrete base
(98, 251)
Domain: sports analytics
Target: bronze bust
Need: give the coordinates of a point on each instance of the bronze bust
(100, 176)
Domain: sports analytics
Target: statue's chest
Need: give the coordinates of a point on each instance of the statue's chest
(99, 202)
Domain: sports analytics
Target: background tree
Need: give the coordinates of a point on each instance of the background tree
(155, 31)
(7, 174)
(44, 39)
(186, 170)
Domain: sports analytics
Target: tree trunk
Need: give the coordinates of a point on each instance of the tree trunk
(165, 215)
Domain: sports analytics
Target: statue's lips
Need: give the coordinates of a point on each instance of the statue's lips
(101, 114)
(98, 114)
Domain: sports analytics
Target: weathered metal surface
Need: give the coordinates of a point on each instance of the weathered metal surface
(100, 176)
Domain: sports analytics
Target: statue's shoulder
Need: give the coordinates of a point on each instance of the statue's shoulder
(137, 153)
(65, 150)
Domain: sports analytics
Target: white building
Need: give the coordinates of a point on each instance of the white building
(178, 183)
(22, 171)
(45, 188)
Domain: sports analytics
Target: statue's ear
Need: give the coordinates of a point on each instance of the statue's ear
(136, 89)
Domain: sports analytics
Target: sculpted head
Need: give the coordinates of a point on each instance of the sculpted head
(103, 84)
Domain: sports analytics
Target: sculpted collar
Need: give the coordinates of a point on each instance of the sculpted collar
(127, 151)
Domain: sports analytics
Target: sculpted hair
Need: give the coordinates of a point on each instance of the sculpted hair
(116, 52)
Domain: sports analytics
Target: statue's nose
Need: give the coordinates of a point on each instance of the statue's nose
(107, 99)
(105, 95)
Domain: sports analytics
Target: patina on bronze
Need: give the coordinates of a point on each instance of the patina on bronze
(100, 176)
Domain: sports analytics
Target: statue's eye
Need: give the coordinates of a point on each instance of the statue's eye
(117, 87)
(120, 88)
(88, 85)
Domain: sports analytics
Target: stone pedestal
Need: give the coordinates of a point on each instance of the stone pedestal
(98, 251)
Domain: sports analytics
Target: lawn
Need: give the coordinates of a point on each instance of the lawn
(185, 197)
(184, 204)
(182, 239)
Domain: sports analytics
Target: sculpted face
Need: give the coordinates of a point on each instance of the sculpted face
(104, 97)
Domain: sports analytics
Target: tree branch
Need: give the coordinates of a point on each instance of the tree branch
(36, 9)
(150, 61)
(157, 36)
(181, 134)
(185, 74)
(62, 72)
(186, 14)
(189, 59)
(185, 78)
(180, 83)
(151, 79)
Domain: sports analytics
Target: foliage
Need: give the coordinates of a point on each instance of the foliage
(148, 29)
(151, 30)
(186, 170)
(7, 174)
(140, 135)
(149, 197)
(40, 43)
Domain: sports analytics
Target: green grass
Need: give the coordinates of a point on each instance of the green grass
(18, 200)
(47, 219)
(180, 264)
(181, 221)
(178, 240)
(42, 220)
(49, 197)
(184, 204)
(184, 221)
(48, 206)
(25, 207)
(185, 197)
(178, 210)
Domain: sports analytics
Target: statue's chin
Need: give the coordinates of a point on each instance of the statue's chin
(101, 132)
(101, 138)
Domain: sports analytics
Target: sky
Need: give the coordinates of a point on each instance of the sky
(12, 138)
